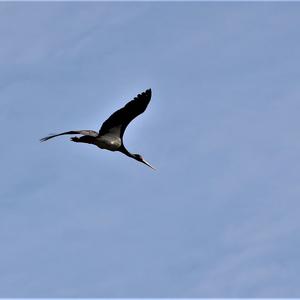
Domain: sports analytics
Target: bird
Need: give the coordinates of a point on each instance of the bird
(110, 135)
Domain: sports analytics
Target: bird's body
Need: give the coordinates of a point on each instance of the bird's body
(110, 135)
(108, 142)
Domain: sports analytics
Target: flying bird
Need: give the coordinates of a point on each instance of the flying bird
(110, 135)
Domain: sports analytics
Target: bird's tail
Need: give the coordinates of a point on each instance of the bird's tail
(84, 132)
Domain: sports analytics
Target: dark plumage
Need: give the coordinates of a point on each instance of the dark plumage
(110, 136)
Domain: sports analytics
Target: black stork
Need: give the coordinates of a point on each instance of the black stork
(110, 135)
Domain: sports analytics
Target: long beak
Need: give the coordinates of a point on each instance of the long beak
(146, 163)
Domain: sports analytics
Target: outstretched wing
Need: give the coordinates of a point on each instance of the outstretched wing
(83, 132)
(118, 121)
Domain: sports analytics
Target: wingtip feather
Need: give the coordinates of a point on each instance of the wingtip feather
(46, 138)
(148, 92)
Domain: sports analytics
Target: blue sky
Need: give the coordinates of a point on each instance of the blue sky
(220, 216)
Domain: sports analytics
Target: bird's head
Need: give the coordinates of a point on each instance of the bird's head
(141, 159)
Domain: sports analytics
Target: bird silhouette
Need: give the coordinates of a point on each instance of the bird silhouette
(110, 135)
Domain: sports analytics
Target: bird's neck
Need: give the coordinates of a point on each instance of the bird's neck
(126, 152)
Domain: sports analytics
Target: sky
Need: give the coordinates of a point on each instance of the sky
(219, 217)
